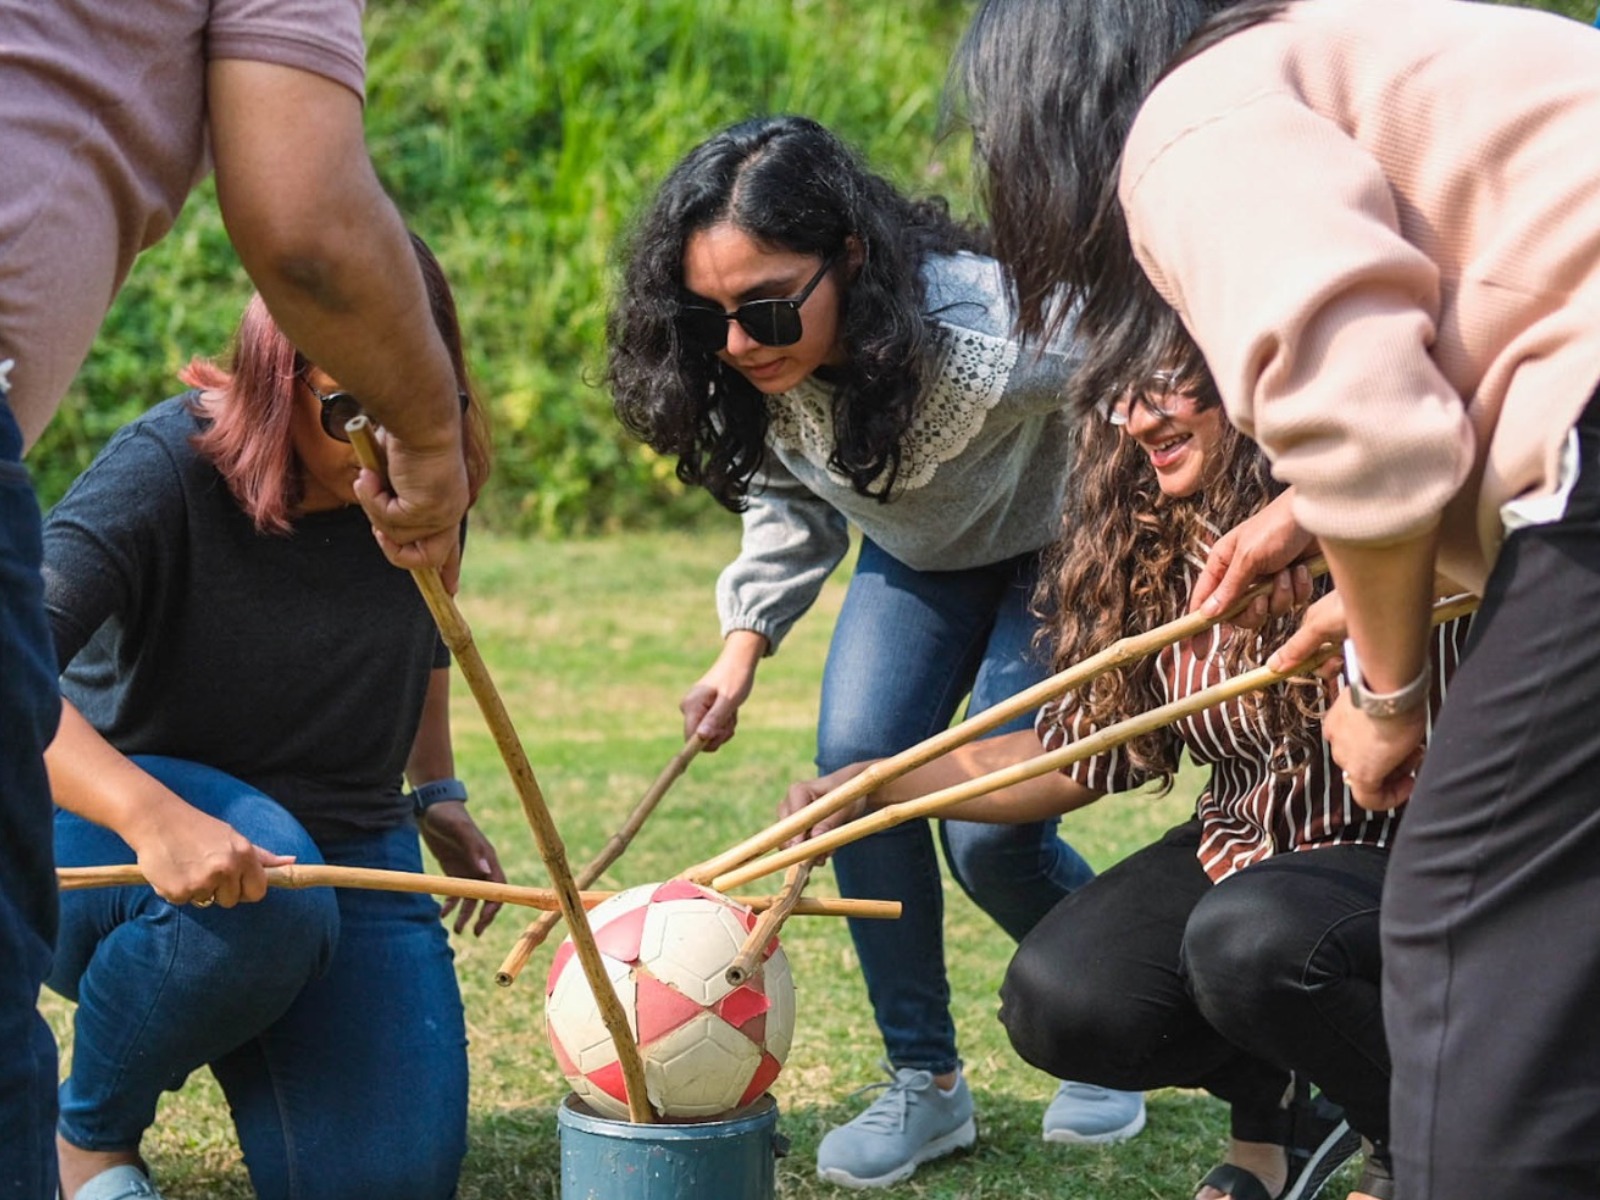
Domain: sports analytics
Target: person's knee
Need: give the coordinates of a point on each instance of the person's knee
(1060, 1020)
(1241, 963)
(988, 860)
(289, 935)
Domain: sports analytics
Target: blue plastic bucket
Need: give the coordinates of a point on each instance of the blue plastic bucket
(732, 1159)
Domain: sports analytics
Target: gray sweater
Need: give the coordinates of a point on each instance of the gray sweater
(981, 479)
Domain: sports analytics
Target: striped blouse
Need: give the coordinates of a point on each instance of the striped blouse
(1248, 812)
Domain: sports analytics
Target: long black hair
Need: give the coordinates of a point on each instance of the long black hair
(789, 183)
(1051, 90)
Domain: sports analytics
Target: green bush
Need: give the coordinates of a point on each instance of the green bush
(519, 138)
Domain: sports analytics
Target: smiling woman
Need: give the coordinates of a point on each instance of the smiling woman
(816, 350)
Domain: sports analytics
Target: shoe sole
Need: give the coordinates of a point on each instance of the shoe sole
(1335, 1150)
(961, 1138)
(1071, 1137)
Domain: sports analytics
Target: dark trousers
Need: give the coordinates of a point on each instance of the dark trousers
(1491, 912)
(1153, 976)
(30, 703)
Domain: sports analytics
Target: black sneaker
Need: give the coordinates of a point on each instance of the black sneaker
(1320, 1142)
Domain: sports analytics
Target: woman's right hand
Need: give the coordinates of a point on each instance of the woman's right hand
(711, 707)
(190, 857)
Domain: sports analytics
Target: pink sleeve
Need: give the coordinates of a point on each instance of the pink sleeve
(1276, 238)
(320, 36)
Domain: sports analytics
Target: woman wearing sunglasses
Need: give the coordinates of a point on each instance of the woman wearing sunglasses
(247, 680)
(817, 351)
(1249, 933)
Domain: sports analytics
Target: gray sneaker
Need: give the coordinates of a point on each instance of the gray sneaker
(119, 1183)
(912, 1123)
(1084, 1114)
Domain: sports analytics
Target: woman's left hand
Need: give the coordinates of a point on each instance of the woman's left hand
(465, 853)
(1379, 756)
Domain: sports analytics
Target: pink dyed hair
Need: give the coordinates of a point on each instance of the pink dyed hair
(251, 405)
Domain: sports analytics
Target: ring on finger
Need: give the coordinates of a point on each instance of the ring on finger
(206, 903)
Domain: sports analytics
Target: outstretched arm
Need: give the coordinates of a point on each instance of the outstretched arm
(1034, 799)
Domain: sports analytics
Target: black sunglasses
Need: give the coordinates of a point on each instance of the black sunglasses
(770, 322)
(340, 408)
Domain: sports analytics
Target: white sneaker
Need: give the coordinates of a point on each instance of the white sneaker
(1084, 1114)
(913, 1122)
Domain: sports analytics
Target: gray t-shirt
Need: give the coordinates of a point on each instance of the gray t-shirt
(102, 134)
(982, 477)
(298, 664)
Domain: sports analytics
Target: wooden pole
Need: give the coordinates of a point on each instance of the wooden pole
(1120, 653)
(1096, 743)
(534, 935)
(453, 628)
(751, 953)
(305, 875)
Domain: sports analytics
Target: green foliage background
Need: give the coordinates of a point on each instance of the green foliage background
(519, 138)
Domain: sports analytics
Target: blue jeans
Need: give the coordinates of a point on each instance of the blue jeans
(331, 1018)
(30, 704)
(908, 646)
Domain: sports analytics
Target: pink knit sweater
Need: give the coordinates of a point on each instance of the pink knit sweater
(1380, 219)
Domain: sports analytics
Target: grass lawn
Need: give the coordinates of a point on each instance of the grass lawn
(591, 643)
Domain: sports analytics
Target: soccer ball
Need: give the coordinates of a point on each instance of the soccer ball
(708, 1046)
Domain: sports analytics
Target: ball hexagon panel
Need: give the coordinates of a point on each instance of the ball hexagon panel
(707, 1046)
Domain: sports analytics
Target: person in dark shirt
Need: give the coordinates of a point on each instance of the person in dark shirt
(246, 682)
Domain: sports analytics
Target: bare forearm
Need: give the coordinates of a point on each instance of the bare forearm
(91, 778)
(326, 247)
(1036, 799)
(431, 754)
(1387, 591)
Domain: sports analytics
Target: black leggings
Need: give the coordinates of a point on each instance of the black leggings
(1153, 976)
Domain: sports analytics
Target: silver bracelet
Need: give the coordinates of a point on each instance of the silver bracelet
(1382, 705)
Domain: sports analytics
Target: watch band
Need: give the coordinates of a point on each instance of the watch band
(429, 794)
(1384, 704)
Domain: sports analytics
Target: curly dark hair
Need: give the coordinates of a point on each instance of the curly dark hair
(1051, 90)
(1123, 565)
(787, 182)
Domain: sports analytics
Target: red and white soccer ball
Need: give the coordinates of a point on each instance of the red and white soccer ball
(708, 1046)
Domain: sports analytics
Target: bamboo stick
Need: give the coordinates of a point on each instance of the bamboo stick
(750, 954)
(1096, 743)
(1120, 653)
(534, 935)
(304, 875)
(456, 634)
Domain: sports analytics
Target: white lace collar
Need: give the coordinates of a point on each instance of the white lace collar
(969, 381)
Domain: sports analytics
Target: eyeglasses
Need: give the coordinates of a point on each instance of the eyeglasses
(340, 408)
(770, 322)
(1162, 383)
